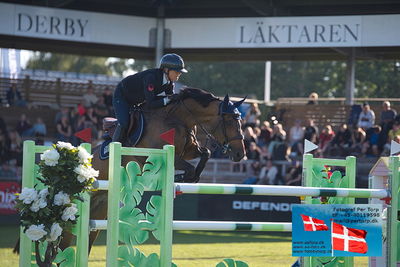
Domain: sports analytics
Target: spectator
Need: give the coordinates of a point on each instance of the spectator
(14, 97)
(249, 136)
(91, 120)
(312, 99)
(387, 118)
(3, 126)
(64, 111)
(101, 109)
(296, 135)
(64, 130)
(252, 115)
(278, 137)
(265, 134)
(367, 118)
(24, 127)
(388, 145)
(81, 108)
(4, 146)
(326, 136)
(15, 151)
(7, 172)
(311, 133)
(90, 97)
(357, 139)
(394, 131)
(253, 152)
(341, 143)
(39, 128)
(294, 174)
(107, 98)
(268, 174)
(370, 146)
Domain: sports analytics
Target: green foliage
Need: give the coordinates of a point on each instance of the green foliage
(135, 225)
(69, 63)
(323, 177)
(65, 257)
(288, 79)
(231, 263)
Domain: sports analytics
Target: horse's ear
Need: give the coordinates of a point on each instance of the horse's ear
(226, 101)
(237, 104)
(226, 98)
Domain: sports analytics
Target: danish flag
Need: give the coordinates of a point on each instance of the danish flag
(348, 239)
(313, 224)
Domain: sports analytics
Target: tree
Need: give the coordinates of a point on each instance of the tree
(288, 79)
(68, 63)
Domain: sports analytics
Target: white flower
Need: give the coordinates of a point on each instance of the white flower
(65, 145)
(55, 232)
(84, 156)
(38, 204)
(41, 201)
(43, 193)
(85, 173)
(61, 198)
(50, 157)
(28, 195)
(69, 213)
(35, 232)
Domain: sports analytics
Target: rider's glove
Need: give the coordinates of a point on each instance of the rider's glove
(170, 98)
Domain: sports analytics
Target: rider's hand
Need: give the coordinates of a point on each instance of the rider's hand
(174, 97)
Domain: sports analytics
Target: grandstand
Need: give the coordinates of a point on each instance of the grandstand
(47, 92)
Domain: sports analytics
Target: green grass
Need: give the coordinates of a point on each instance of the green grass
(193, 248)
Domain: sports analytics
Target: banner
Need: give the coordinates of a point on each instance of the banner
(7, 197)
(337, 230)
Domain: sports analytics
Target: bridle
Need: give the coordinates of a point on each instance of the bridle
(210, 134)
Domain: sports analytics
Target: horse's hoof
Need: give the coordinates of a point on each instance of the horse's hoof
(179, 178)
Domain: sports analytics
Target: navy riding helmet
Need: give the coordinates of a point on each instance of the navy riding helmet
(173, 62)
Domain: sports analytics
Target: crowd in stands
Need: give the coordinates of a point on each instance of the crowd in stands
(271, 146)
(67, 121)
(268, 144)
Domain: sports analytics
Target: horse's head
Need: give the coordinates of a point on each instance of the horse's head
(229, 133)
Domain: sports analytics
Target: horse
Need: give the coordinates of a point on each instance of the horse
(193, 110)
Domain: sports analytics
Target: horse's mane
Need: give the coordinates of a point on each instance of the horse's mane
(202, 97)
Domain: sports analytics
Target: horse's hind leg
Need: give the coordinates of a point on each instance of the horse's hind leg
(189, 175)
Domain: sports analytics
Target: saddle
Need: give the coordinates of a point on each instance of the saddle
(135, 130)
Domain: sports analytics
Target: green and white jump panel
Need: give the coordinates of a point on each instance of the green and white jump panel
(115, 166)
(272, 190)
(27, 248)
(310, 180)
(392, 248)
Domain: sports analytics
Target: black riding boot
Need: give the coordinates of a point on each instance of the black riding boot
(120, 135)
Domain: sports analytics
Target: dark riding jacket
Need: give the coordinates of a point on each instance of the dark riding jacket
(142, 87)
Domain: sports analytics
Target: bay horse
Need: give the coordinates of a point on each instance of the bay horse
(194, 110)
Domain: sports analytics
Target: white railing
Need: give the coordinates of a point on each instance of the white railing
(218, 168)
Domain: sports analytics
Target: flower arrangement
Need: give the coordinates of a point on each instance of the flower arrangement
(66, 172)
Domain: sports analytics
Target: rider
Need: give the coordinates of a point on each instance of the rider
(145, 87)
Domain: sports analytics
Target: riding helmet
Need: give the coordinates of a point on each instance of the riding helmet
(173, 62)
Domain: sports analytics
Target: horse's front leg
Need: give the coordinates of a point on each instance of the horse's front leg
(189, 171)
(205, 155)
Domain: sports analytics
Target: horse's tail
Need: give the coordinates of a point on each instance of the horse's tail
(16, 247)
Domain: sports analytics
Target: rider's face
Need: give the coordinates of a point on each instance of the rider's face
(173, 75)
